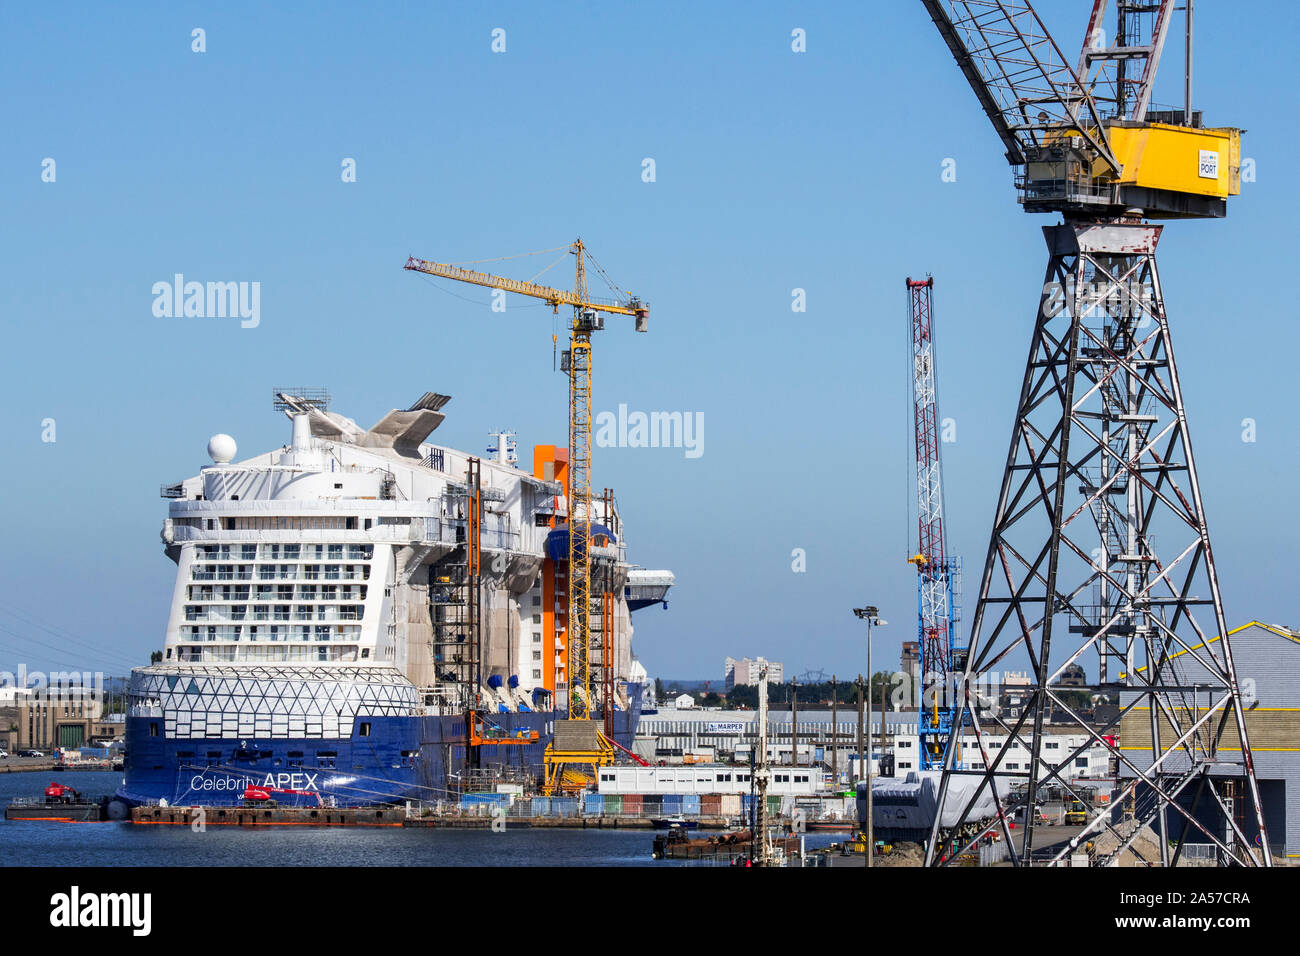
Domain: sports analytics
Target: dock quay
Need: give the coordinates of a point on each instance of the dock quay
(390, 816)
(271, 816)
(512, 822)
(28, 765)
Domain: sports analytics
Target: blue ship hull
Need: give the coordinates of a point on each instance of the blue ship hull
(401, 758)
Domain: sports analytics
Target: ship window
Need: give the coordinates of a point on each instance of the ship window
(351, 524)
(338, 485)
(153, 729)
(367, 524)
(365, 729)
(365, 652)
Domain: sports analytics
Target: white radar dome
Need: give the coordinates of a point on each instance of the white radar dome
(221, 449)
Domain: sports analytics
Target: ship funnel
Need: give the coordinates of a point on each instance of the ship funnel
(301, 433)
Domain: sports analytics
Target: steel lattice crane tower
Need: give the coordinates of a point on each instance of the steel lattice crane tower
(937, 573)
(1100, 464)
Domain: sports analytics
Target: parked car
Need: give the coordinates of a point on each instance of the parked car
(30, 753)
(4, 755)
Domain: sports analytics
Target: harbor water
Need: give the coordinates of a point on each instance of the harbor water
(123, 844)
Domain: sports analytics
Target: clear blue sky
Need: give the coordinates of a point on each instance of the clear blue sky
(775, 170)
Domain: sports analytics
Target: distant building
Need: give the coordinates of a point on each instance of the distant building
(684, 702)
(1016, 689)
(1267, 658)
(743, 672)
(49, 717)
(1073, 676)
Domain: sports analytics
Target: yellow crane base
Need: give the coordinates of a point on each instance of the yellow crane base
(569, 768)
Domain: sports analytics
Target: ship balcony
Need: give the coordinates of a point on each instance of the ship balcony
(419, 531)
(223, 612)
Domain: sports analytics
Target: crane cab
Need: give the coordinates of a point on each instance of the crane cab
(1168, 171)
(589, 320)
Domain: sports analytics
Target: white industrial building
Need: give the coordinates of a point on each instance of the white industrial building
(746, 671)
(682, 738)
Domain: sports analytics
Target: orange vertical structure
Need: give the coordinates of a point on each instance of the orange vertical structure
(551, 463)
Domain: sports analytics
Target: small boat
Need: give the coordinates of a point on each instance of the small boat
(61, 804)
(677, 822)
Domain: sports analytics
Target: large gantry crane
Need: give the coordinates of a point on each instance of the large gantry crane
(937, 573)
(1100, 465)
(578, 746)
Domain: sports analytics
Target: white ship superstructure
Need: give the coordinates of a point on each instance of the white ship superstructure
(325, 583)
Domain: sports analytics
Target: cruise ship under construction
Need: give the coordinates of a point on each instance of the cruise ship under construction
(363, 616)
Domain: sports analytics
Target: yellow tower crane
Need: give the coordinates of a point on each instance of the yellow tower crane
(577, 742)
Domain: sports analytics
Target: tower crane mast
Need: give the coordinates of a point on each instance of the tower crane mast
(938, 573)
(589, 655)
